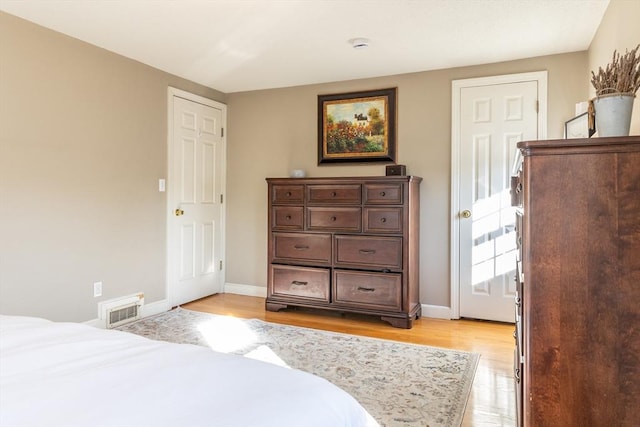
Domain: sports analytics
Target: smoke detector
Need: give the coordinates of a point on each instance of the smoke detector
(359, 43)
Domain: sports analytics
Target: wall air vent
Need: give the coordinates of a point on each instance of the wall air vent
(123, 315)
(119, 311)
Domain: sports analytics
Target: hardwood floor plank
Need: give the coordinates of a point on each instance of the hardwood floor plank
(492, 398)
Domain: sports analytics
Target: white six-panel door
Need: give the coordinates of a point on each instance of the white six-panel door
(195, 200)
(492, 119)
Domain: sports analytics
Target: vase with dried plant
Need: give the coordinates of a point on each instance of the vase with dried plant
(616, 87)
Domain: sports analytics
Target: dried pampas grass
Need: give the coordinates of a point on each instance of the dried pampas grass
(622, 75)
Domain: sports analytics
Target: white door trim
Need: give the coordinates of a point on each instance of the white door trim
(171, 202)
(456, 87)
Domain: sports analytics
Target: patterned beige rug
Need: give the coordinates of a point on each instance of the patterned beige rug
(399, 384)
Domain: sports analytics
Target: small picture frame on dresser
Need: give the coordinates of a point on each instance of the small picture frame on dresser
(578, 127)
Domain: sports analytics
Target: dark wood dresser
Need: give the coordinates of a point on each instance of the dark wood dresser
(345, 244)
(577, 359)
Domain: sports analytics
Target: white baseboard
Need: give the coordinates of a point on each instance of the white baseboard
(248, 290)
(156, 308)
(436, 311)
(147, 310)
(432, 311)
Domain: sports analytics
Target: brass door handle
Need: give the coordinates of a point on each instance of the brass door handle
(179, 212)
(466, 213)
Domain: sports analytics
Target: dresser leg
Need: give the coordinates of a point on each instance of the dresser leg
(399, 322)
(272, 306)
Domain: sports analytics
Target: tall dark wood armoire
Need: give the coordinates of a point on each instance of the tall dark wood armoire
(577, 359)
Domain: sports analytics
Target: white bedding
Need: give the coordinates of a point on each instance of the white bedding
(67, 374)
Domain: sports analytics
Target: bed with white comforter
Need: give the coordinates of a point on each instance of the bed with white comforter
(68, 374)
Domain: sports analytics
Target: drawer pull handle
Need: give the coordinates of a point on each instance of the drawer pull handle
(288, 194)
(360, 288)
(301, 247)
(383, 219)
(334, 219)
(382, 194)
(334, 194)
(299, 283)
(367, 251)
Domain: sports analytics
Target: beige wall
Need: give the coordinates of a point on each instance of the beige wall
(273, 131)
(619, 30)
(83, 143)
(82, 146)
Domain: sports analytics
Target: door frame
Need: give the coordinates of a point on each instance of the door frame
(171, 201)
(456, 87)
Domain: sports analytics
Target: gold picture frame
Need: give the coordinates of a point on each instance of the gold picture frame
(357, 127)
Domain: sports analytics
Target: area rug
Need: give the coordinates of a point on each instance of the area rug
(399, 384)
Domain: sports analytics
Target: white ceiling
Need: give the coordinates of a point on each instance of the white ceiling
(244, 45)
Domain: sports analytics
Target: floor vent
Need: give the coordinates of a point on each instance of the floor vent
(122, 310)
(123, 315)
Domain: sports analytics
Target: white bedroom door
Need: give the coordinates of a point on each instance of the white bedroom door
(195, 199)
(492, 119)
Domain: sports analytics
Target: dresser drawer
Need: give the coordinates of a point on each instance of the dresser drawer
(368, 290)
(517, 334)
(368, 252)
(302, 283)
(287, 194)
(519, 234)
(518, 294)
(383, 220)
(287, 218)
(343, 194)
(335, 219)
(516, 189)
(302, 247)
(518, 370)
(383, 194)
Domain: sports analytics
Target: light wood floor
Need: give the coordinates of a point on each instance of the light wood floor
(492, 400)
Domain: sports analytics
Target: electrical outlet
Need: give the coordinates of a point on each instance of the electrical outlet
(97, 289)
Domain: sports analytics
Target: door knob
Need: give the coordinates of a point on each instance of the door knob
(179, 212)
(466, 213)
